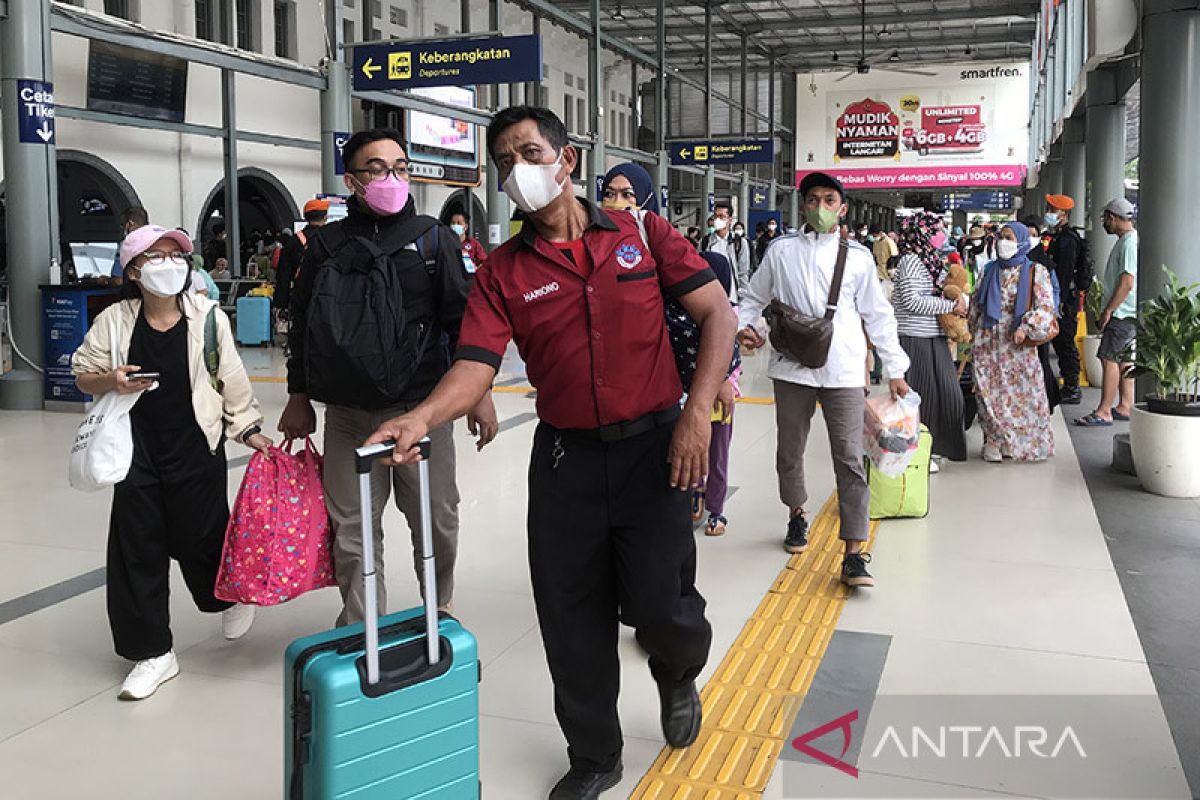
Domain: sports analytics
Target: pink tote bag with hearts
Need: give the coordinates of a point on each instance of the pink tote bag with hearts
(278, 543)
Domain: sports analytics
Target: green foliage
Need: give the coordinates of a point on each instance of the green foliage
(1168, 341)
(1094, 305)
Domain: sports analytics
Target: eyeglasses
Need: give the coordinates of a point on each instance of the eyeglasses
(377, 170)
(157, 259)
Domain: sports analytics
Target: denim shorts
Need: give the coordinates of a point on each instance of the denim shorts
(1117, 338)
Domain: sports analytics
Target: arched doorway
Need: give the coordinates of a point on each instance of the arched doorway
(91, 196)
(478, 217)
(264, 205)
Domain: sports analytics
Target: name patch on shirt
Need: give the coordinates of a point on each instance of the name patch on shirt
(629, 256)
(537, 294)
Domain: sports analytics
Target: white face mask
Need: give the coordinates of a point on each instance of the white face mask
(720, 224)
(1006, 248)
(534, 186)
(166, 279)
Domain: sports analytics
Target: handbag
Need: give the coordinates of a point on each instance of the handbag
(278, 544)
(1031, 342)
(803, 338)
(103, 448)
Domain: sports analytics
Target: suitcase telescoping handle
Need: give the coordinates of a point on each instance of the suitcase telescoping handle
(365, 457)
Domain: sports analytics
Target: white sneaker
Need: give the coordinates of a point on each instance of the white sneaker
(146, 676)
(991, 454)
(934, 469)
(236, 621)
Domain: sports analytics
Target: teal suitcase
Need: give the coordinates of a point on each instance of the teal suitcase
(906, 495)
(383, 710)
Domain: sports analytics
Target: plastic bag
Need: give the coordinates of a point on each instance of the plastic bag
(278, 544)
(892, 431)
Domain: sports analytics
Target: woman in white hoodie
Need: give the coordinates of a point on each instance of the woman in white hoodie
(174, 502)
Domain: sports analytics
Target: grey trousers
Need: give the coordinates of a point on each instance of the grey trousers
(345, 430)
(843, 411)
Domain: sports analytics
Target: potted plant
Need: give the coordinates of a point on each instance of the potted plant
(1165, 430)
(1093, 307)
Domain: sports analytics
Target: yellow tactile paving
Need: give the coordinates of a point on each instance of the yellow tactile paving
(755, 694)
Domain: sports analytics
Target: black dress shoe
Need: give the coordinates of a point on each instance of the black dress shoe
(681, 712)
(1071, 396)
(581, 784)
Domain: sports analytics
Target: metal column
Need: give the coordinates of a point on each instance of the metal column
(597, 163)
(31, 189)
(1105, 155)
(661, 171)
(710, 173)
(743, 211)
(497, 201)
(233, 217)
(335, 99)
(1074, 175)
(1051, 178)
(1169, 166)
(772, 203)
(745, 71)
(794, 208)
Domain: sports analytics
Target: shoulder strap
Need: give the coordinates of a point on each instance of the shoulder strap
(114, 329)
(407, 233)
(212, 355)
(640, 216)
(839, 271)
(332, 237)
(427, 248)
(302, 238)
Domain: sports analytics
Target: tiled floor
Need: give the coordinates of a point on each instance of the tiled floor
(1006, 588)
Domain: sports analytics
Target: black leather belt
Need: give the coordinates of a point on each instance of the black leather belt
(620, 431)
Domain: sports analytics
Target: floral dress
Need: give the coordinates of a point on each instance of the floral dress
(1011, 392)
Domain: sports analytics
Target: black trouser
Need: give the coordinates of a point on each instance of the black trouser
(606, 531)
(172, 504)
(1064, 343)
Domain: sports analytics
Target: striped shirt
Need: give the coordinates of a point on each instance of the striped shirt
(917, 304)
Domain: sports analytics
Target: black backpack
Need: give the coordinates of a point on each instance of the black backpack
(366, 336)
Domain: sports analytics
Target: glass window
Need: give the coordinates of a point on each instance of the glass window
(243, 12)
(568, 116)
(206, 20)
(283, 29)
(398, 16)
(347, 31)
(120, 8)
(581, 108)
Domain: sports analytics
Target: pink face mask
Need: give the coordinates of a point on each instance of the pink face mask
(386, 196)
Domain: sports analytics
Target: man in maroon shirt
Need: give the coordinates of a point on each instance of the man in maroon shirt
(614, 459)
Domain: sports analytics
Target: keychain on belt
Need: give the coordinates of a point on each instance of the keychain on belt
(558, 451)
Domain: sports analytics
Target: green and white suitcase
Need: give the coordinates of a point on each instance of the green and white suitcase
(906, 495)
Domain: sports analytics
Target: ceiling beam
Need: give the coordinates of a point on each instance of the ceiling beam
(1017, 36)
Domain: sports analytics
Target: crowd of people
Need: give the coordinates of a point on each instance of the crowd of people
(632, 333)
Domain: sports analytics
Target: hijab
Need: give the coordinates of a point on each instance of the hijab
(640, 180)
(915, 232)
(992, 291)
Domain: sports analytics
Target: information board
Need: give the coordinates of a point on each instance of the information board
(136, 83)
(455, 62)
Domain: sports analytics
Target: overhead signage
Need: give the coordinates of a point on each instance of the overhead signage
(121, 80)
(867, 129)
(339, 144)
(977, 201)
(947, 129)
(758, 198)
(456, 62)
(740, 151)
(35, 111)
(924, 177)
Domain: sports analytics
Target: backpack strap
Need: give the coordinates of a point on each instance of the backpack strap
(427, 248)
(409, 232)
(212, 355)
(839, 270)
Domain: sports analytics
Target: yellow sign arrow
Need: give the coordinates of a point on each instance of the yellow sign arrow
(370, 67)
(684, 153)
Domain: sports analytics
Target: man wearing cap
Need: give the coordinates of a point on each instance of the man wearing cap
(798, 270)
(315, 213)
(1118, 320)
(1066, 251)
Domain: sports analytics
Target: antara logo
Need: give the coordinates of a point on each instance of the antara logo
(537, 294)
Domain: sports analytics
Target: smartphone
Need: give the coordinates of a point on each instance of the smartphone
(143, 376)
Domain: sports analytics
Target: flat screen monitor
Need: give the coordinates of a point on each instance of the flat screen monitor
(136, 83)
(93, 259)
(434, 139)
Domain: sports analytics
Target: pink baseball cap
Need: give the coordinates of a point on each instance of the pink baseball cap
(139, 241)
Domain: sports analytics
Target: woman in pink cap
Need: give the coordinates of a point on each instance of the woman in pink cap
(173, 503)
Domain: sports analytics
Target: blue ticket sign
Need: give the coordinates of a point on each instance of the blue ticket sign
(339, 143)
(457, 62)
(740, 151)
(35, 112)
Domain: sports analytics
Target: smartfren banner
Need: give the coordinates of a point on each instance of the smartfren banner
(962, 128)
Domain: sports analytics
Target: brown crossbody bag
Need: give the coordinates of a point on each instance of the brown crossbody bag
(798, 336)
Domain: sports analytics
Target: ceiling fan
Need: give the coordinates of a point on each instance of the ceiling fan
(864, 64)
